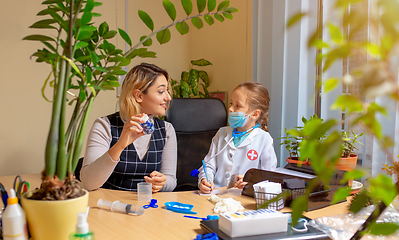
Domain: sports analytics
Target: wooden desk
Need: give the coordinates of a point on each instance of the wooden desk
(156, 223)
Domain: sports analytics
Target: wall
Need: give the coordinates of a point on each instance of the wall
(25, 114)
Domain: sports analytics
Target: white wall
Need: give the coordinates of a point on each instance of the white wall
(25, 114)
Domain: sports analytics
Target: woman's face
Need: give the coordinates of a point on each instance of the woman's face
(155, 100)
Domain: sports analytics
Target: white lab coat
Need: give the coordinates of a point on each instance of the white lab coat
(256, 151)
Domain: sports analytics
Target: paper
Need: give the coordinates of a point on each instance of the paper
(216, 191)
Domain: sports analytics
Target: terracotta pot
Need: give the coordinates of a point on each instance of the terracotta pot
(49, 220)
(348, 163)
(295, 160)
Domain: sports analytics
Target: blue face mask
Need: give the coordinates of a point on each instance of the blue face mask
(238, 119)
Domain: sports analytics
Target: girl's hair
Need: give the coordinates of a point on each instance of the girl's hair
(257, 98)
(140, 77)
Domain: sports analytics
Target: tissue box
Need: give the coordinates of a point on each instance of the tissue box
(253, 222)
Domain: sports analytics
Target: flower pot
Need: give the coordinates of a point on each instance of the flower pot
(49, 220)
(295, 160)
(347, 164)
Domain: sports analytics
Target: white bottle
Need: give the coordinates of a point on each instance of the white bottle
(14, 219)
(82, 229)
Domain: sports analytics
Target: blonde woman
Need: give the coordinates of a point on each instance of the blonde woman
(119, 155)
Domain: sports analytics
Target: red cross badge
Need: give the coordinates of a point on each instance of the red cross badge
(252, 155)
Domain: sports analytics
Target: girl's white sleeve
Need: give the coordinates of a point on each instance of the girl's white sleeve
(210, 160)
(268, 157)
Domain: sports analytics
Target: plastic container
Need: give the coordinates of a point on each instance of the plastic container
(82, 229)
(147, 126)
(117, 206)
(14, 219)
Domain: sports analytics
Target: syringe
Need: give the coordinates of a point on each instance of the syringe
(121, 207)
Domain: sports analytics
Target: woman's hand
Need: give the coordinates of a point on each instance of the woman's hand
(157, 180)
(130, 132)
(205, 186)
(240, 183)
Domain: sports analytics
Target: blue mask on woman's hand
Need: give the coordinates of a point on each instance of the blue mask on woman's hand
(237, 119)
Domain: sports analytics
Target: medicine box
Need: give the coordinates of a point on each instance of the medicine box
(253, 222)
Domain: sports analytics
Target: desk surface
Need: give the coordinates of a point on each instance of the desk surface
(157, 223)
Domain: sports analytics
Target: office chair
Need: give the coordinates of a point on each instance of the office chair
(196, 121)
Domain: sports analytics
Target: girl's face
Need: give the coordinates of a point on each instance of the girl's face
(238, 102)
(155, 100)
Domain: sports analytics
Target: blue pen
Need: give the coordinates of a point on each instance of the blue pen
(206, 174)
(4, 195)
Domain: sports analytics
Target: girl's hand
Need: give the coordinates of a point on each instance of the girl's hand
(157, 180)
(240, 183)
(205, 186)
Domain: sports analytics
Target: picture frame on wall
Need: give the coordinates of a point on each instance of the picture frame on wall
(221, 95)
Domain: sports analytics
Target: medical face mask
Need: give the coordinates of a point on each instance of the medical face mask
(238, 119)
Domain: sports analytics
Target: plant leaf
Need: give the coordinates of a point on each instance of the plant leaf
(205, 78)
(170, 9)
(187, 6)
(228, 15)
(330, 84)
(110, 34)
(148, 42)
(219, 17)
(335, 32)
(38, 37)
(201, 4)
(209, 19)
(211, 5)
(197, 22)
(86, 18)
(193, 81)
(182, 27)
(297, 17)
(125, 36)
(201, 62)
(81, 44)
(223, 5)
(163, 36)
(103, 28)
(385, 228)
(340, 194)
(146, 19)
(44, 24)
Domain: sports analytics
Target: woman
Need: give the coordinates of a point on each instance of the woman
(118, 154)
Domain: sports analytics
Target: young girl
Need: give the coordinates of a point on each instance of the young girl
(118, 154)
(244, 144)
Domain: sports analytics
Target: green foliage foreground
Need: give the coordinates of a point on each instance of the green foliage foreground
(376, 78)
(84, 62)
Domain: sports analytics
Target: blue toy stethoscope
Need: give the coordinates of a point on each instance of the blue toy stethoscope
(235, 134)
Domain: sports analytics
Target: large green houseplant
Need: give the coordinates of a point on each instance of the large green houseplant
(375, 78)
(84, 62)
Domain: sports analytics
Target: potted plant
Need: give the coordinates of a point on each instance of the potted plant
(190, 81)
(83, 63)
(294, 138)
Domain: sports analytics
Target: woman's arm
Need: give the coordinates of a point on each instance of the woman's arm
(169, 159)
(97, 164)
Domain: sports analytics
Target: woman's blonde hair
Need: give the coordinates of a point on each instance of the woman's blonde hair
(140, 77)
(257, 98)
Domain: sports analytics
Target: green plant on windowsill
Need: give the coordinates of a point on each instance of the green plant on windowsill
(189, 83)
(294, 138)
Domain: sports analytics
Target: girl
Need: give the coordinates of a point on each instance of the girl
(119, 155)
(244, 144)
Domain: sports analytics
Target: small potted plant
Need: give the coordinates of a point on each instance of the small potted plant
(294, 138)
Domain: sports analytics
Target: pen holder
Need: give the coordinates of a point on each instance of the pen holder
(262, 198)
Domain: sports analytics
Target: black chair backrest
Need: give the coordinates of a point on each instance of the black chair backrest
(196, 121)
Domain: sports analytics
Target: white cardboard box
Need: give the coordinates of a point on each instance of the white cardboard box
(253, 222)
